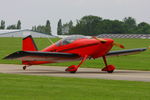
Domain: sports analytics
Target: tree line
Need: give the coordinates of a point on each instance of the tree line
(13, 26)
(46, 29)
(95, 25)
(89, 25)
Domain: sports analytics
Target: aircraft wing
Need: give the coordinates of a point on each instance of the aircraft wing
(126, 52)
(43, 56)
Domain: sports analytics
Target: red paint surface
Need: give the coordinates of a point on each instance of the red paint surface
(83, 47)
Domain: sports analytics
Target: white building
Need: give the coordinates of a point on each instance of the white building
(22, 33)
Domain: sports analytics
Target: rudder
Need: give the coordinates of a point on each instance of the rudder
(28, 44)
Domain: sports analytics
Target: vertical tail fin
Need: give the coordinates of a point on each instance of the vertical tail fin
(28, 44)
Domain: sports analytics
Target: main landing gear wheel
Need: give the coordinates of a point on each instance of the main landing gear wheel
(72, 69)
(109, 68)
(110, 71)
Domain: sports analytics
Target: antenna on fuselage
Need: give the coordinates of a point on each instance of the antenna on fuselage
(50, 40)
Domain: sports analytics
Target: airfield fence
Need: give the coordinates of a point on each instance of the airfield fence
(142, 36)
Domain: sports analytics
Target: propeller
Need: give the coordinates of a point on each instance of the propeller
(118, 45)
(104, 41)
(101, 39)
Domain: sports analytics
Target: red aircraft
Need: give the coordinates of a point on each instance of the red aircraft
(72, 48)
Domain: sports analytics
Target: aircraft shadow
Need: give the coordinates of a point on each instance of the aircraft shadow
(79, 72)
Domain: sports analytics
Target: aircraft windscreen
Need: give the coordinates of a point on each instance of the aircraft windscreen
(69, 39)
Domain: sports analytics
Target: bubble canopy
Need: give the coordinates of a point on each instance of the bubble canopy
(70, 39)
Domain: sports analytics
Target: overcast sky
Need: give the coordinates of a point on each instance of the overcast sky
(35, 12)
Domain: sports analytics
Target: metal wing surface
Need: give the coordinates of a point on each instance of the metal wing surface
(43, 56)
(126, 52)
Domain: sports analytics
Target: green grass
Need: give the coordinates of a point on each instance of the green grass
(23, 87)
(139, 62)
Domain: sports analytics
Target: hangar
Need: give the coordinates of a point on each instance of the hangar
(22, 33)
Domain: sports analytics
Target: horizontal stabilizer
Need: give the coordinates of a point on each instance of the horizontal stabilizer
(126, 52)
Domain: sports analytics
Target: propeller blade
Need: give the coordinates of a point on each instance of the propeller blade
(104, 41)
(101, 39)
(118, 45)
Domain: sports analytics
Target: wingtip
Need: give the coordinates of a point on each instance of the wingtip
(5, 58)
(12, 55)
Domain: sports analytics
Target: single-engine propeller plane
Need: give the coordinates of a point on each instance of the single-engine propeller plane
(71, 48)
